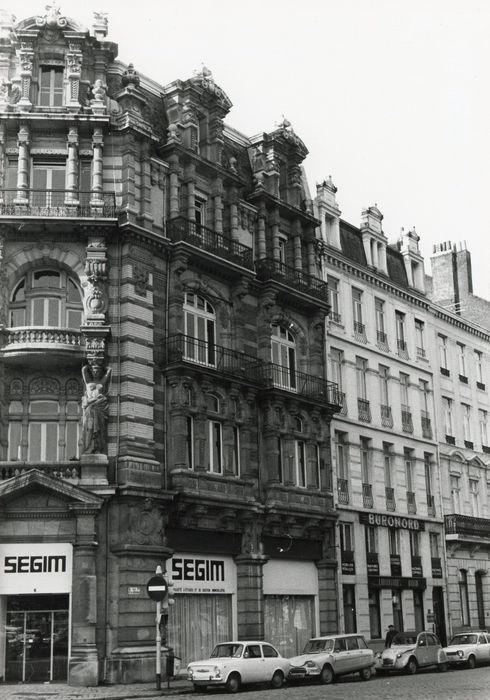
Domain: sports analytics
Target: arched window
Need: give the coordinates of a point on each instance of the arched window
(200, 325)
(44, 423)
(284, 357)
(46, 298)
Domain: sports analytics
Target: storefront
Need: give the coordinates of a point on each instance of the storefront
(35, 588)
(290, 604)
(205, 604)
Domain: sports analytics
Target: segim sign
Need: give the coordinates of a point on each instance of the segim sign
(194, 573)
(35, 568)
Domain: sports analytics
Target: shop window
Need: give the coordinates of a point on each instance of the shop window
(374, 613)
(463, 597)
(289, 622)
(284, 357)
(46, 298)
(200, 327)
(51, 86)
(44, 429)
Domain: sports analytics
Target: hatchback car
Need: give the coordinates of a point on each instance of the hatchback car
(324, 658)
(233, 664)
(468, 649)
(410, 651)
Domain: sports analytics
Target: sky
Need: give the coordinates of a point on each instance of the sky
(391, 97)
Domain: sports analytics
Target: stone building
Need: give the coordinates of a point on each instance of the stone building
(164, 398)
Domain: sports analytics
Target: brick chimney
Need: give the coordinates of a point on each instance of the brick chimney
(452, 281)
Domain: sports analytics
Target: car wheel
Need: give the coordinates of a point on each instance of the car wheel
(365, 674)
(326, 676)
(471, 663)
(277, 680)
(411, 666)
(233, 683)
(442, 667)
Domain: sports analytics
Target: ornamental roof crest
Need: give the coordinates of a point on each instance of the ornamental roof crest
(53, 18)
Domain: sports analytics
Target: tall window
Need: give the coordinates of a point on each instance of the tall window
(455, 482)
(44, 429)
(333, 298)
(419, 338)
(46, 298)
(365, 453)
(461, 359)
(357, 311)
(371, 537)
(466, 422)
(424, 395)
(336, 363)
(346, 534)
(300, 455)
(479, 367)
(463, 597)
(235, 455)
(190, 442)
(447, 405)
(443, 358)
(482, 420)
(200, 214)
(200, 325)
(384, 374)
(387, 456)
(48, 183)
(361, 374)
(379, 307)
(434, 545)
(475, 497)
(404, 381)
(408, 456)
(51, 86)
(342, 455)
(282, 250)
(400, 331)
(428, 481)
(394, 542)
(215, 436)
(414, 543)
(284, 357)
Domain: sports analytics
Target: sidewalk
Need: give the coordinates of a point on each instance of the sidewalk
(61, 691)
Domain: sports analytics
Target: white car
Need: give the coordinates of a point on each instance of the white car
(232, 664)
(468, 649)
(324, 658)
(410, 651)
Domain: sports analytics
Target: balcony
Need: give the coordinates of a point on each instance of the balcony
(57, 204)
(204, 238)
(466, 527)
(269, 269)
(63, 470)
(469, 444)
(343, 491)
(386, 416)
(411, 504)
(417, 571)
(364, 410)
(431, 506)
(390, 498)
(445, 372)
(307, 386)
(367, 496)
(407, 423)
(402, 348)
(212, 357)
(480, 385)
(53, 345)
(360, 332)
(421, 353)
(382, 340)
(426, 425)
(335, 317)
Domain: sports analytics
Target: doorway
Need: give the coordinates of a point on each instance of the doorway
(37, 638)
(396, 599)
(439, 614)
(480, 606)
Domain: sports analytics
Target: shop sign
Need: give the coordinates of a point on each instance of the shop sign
(348, 563)
(401, 582)
(194, 573)
(35, 568)
(395, 522)
(372, 564)
(436, 567)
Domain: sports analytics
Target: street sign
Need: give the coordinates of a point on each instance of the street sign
(157, 588)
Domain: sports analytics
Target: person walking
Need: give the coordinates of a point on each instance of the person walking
(391, 632)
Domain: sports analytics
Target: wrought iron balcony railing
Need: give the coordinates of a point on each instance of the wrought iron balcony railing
(364, 410)
(407, 423)
(181, 229)
(359, 328)
(270, 269)
(335, 317)
(467, 526)
(421, 352)
(306, 385)
(367, 496)
(57, 203)
(382, 338)
(390, 498)
(343, 491)
(411, 503)
(215, 357)
(426, 425)
(386, 416)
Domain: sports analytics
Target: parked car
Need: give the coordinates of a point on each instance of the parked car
(324, 658)
(410, 651)
(233, 664)
(468, 649)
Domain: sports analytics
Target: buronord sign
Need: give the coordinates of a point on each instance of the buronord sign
(392, 521)
(35, 568)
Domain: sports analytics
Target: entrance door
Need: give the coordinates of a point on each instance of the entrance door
(439, 614)
(37, 639)
(479, 599)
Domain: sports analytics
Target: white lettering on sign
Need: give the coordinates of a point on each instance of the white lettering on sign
(393, 521)
(36, 567)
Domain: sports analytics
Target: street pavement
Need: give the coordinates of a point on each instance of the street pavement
(453, 685)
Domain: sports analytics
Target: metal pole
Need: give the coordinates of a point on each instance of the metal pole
(158, 664)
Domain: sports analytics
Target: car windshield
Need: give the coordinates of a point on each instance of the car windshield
(222, 650)
(404, 638)
(314, 646)
(463, 639)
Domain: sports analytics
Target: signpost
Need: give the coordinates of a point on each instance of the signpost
(157, 590)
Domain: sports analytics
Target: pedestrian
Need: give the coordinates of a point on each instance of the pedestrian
(391, 632)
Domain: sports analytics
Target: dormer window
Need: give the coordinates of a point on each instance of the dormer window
(51, 86)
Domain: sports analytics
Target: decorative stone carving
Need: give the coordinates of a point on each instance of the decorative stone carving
(130, 76)
(16, 388)
(44, 385)
(95, 297)
(95, 409)
(72, 388)
(141, 279)
(53, 18)
(145, 524)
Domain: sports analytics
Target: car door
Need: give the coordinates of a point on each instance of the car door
(481, 650)
(270, 657)
(353, 655)
(340, 655)
(252, 664)
(432, 649)
(421, 649)
(366, 656)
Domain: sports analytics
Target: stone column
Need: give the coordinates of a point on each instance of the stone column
(190, 174)
(174, 203)
(234, 214)
(97, 169)
(250, 598)
(310, 251)
(261, 245)
(72, 196)
(218, 205)
(275, 234)
(23, 142)
(298, 262)
(328, 593)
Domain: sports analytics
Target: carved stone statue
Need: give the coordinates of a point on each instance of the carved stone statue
(95, 408)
